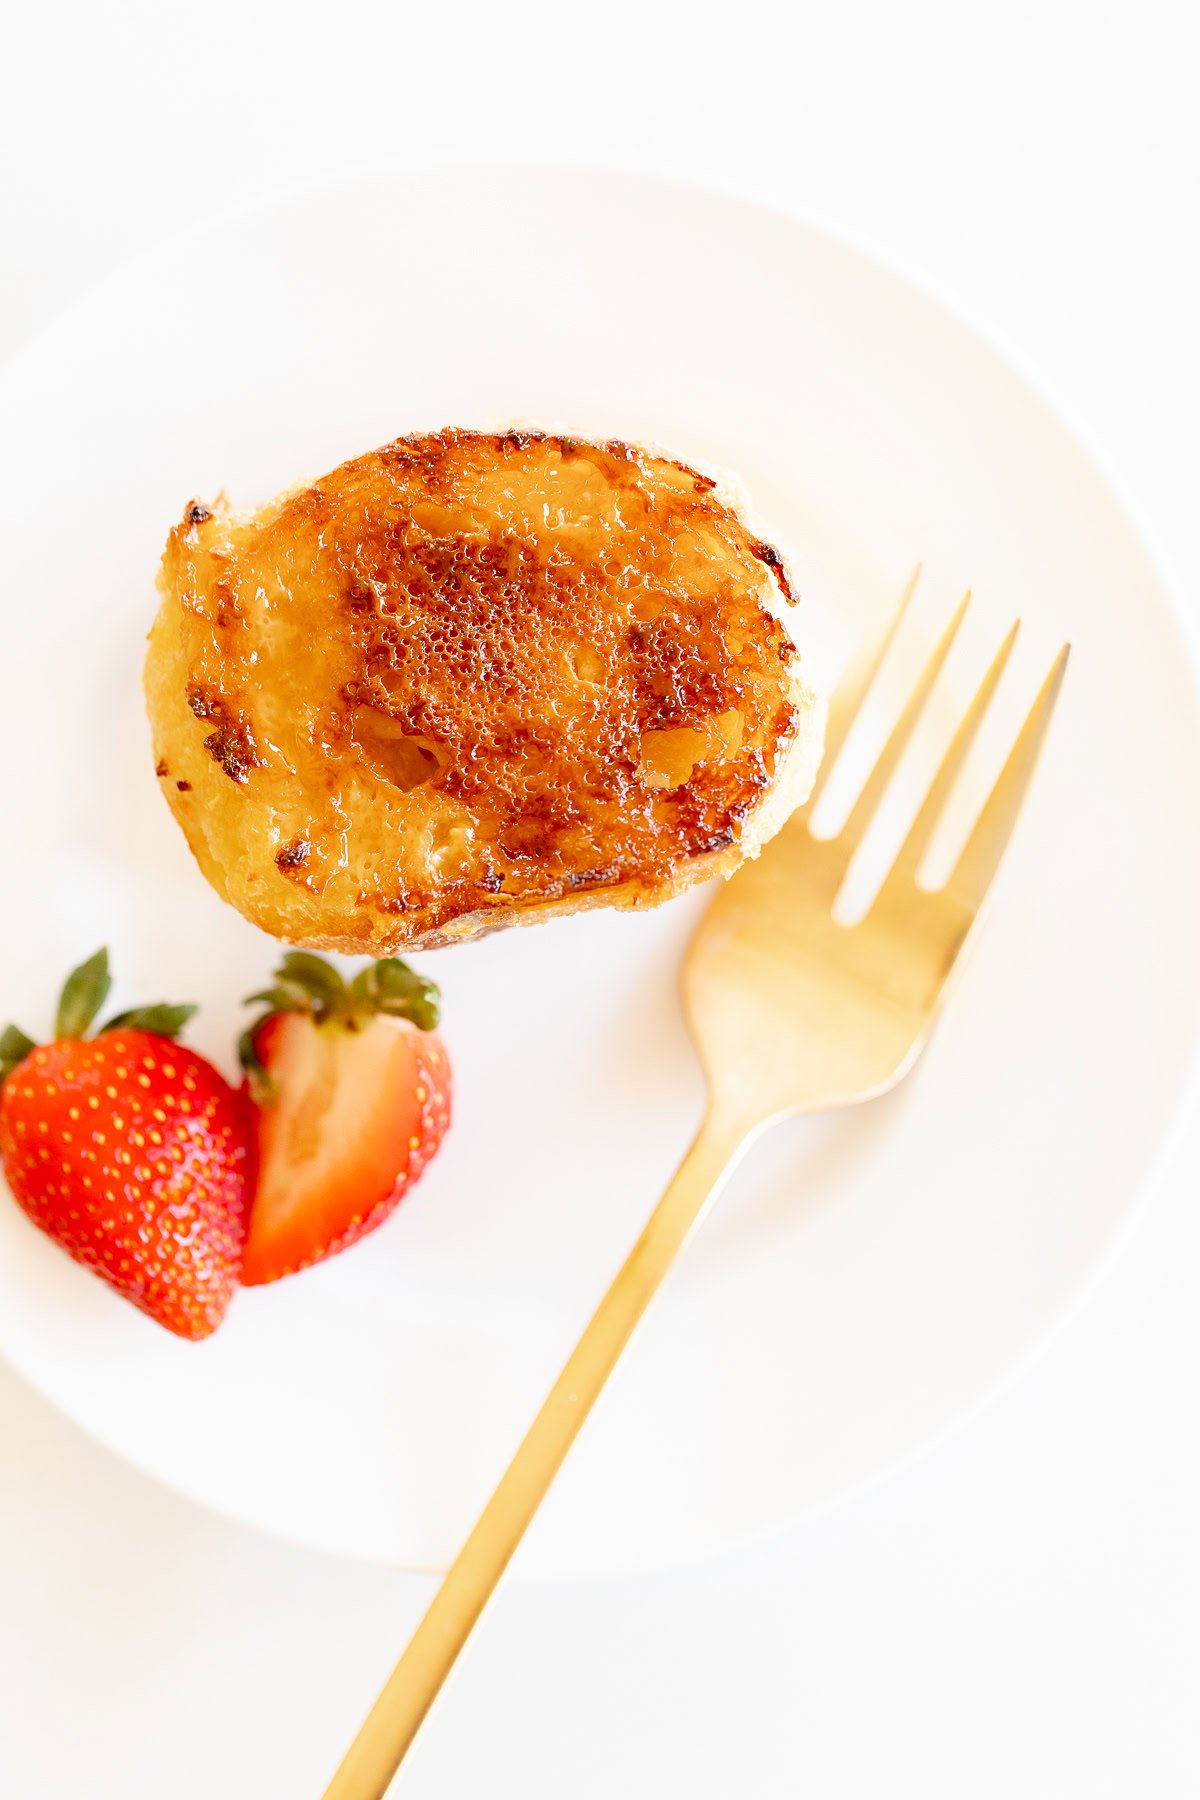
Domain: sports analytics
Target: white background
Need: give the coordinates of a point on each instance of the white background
(1017, 1612)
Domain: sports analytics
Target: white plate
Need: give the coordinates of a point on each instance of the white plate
(869, 1275)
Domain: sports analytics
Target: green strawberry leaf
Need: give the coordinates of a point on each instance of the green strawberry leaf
(83, 995)
(262, 1088)
(163, 1021)
(391, 987)
(285, 996)
(316, 978)
(14, 1048)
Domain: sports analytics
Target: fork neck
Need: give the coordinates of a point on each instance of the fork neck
(724, 1135)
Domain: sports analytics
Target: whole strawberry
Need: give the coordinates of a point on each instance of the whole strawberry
(131, 1152)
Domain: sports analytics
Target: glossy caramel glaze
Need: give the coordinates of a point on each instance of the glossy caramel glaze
(467, 679)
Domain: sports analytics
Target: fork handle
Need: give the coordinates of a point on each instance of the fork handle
(393, 1721)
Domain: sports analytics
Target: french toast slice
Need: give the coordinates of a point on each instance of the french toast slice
(471, 680)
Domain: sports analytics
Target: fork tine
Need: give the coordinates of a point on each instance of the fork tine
(987, 843)
(865, 807)
(854, 686)
(912, 851)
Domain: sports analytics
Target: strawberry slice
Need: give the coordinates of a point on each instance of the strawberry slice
(353, 1090)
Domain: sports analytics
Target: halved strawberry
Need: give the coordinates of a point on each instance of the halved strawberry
(353, 1089)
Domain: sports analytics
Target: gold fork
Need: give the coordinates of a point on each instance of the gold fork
(791, 1012)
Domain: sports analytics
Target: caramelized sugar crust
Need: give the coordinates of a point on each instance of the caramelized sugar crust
(466, 679)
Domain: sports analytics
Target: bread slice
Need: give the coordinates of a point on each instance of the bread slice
(473, 680)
